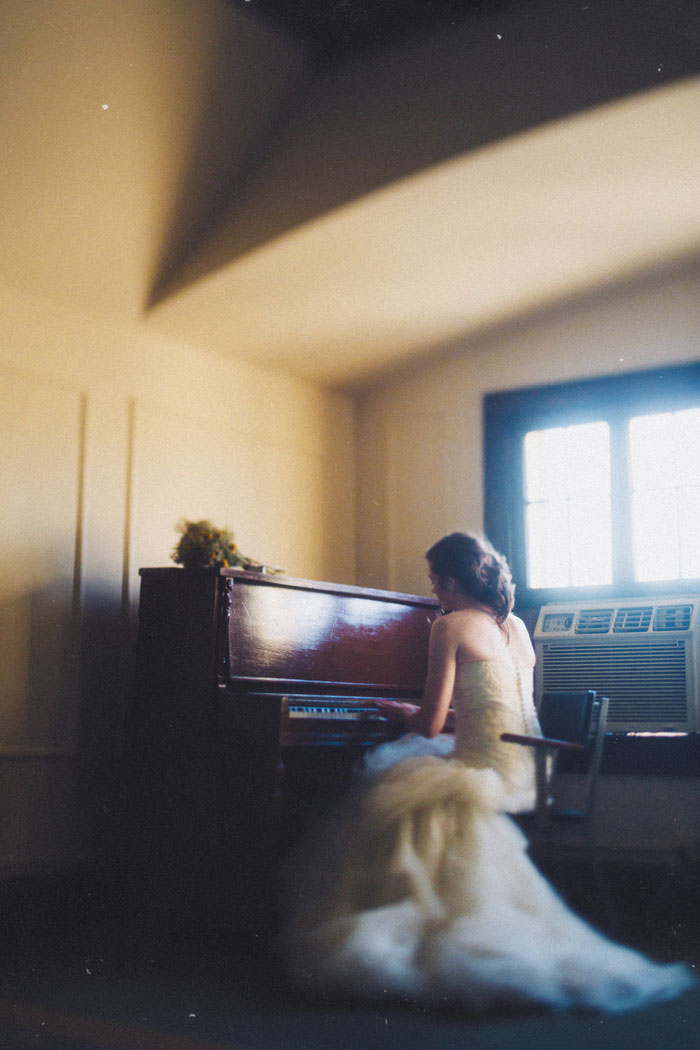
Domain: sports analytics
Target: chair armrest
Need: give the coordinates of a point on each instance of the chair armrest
(541, 742)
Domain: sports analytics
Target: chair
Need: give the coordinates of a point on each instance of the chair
(572, 722)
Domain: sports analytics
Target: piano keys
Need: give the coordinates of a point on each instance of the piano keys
(333, 721)
(319, 721)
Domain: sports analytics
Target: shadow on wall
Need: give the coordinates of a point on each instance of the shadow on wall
(65, 680)
(108, 641)
(492, 74)
(242, 102)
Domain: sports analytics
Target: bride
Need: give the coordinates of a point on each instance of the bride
(420, 886)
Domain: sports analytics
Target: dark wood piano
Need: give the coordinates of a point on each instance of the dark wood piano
(253, 697)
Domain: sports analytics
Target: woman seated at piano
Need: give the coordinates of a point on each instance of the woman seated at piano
(427, 891)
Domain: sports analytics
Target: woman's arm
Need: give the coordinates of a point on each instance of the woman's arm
(430, 717)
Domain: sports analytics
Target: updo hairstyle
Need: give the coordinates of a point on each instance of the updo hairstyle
(478, 570)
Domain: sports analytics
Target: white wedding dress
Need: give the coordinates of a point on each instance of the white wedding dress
(420, 885)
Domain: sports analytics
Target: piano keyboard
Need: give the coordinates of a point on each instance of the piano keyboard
(336, 720)
(337, 712)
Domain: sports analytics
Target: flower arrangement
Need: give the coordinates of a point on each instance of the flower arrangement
(203, 546)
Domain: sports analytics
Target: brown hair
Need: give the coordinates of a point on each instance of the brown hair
(479, 571)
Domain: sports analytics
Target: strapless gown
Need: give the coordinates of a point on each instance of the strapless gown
(420, 886)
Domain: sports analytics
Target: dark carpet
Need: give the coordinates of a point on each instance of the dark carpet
(79, 973)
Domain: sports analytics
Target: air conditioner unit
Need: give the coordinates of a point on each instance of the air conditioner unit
(642, 653)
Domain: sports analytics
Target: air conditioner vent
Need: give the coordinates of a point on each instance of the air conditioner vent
(594, 621)
(645, 682)
(643, 653)
(632, 620)
(673, 617)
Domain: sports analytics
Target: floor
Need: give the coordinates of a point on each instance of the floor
(80, 973)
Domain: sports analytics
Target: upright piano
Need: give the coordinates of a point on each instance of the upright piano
(254, 695)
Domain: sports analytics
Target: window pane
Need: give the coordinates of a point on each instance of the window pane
(690, 532)
(567, 483)
(547, 537)
(664, 452)
(545, 464)
(588, 455)
(687, 449)
(562, 461)
(656, 547)
(591, 553)
(651, 451)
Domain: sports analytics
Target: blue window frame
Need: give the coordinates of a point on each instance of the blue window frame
(592, 488)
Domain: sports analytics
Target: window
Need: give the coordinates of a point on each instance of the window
(665, 481)
(567, 506)
(593, 488)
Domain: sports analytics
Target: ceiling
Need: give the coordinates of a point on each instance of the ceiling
(448, 168)
(421, 267)
(342, 198)
(336, 26)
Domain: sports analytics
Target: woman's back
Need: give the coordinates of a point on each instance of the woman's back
(479, 637)
(491, 697)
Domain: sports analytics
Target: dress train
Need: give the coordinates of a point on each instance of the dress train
(420, 886)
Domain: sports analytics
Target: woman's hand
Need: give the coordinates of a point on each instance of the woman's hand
(399, 708)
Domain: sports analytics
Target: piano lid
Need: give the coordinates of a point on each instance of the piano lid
(299, 635)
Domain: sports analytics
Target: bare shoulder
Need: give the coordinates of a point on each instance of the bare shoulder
(519, 639)
(473, 634)
(459, 621)
(517, 625)
(455, 626)
(444, 627)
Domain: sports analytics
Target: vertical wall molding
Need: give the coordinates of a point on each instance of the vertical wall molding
(70, 673)
(128, 508)
(80, 509)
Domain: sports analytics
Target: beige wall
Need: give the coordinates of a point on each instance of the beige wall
(420, 467)
(123, 125)
(109, 437)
